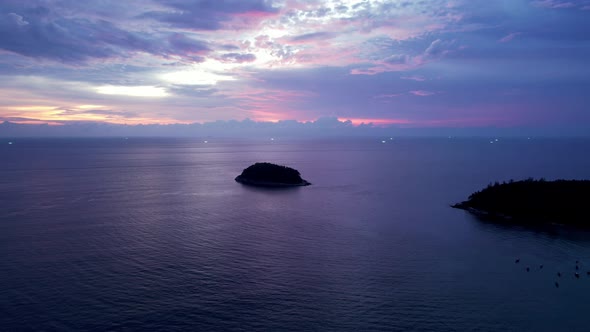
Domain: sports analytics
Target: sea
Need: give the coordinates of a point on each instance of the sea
(154, 234)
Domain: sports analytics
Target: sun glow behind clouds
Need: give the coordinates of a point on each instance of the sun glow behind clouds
(89, 107)
(132, 91)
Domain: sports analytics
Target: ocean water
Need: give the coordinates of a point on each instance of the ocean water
(155, 234)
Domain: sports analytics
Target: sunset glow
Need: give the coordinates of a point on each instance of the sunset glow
(376, 122)
(133, 91)
(453, 63)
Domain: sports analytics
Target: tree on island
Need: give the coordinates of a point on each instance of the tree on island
(560, 201)
(268, 174)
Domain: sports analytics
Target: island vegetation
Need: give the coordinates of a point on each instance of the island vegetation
(271, 175)
(537, 201)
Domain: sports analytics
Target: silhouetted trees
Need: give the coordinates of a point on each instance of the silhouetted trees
(561, 201)
(267, 173)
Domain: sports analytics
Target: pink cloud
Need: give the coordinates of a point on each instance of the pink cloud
(379, 122)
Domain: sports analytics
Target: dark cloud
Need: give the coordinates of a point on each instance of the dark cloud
(207, 14)
(40, 33)
(63, 40)
(187, 48)
(181, 44)
(186, 20)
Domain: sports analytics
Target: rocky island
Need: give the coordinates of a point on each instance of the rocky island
(533, 201)
(271, 175)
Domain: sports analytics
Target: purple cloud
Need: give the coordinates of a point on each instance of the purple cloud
(208, 15)
(181, 44)
(75, 41)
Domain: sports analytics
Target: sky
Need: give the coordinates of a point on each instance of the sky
(383, 63)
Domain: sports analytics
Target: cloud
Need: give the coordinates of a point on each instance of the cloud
(17, 19)
(207, 15)
(398, 59)
(66, 40)
(389, 95)
(438, 48)
(180, 44)
(293, 59)
(237, 57)
(101, 112)
(416, 78)
(422, 93)
(509, 37)
(554, 4)
(406, 62)
(79, 40)
(313, 36)
(325, 126)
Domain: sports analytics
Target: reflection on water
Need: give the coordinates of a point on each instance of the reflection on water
(551, 231)
(155, 234)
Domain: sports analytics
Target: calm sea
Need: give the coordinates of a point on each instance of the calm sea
(155, 234)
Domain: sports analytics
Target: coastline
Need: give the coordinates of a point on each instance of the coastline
(531, 201)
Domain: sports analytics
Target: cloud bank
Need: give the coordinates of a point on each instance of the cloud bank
(453, 63)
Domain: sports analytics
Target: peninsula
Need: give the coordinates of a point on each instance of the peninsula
(271, 175)
(535, 201)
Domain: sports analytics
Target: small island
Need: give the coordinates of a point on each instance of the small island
(533, 201)
(271, 175)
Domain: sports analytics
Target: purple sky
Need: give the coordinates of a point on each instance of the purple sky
(428, 63)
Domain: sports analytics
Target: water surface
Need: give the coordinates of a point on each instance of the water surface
(154, 234)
